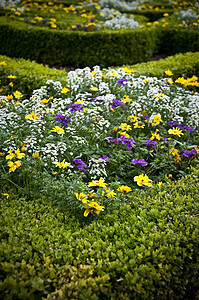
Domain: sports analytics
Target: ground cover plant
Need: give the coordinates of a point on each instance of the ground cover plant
(145, 250)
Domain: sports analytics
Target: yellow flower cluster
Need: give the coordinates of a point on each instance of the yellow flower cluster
(14, 154)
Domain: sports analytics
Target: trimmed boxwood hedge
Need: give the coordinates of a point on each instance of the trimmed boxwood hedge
(147, 250)
(105, 48)
(76, 48)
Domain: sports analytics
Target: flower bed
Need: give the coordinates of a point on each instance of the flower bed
(101, 135)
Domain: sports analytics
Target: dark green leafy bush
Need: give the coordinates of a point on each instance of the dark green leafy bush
(146, 250)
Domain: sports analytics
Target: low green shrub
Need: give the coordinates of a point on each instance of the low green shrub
(179, 64)
(76, 48)
(146, 250)
(29, 74)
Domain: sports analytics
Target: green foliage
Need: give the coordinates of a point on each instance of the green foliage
(29, 74)
(179, 64)
(145, 250)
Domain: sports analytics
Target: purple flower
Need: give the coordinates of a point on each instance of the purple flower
(174, 123)
(103, 158)
(86, 28)
(188, 128)
(122, 81)
(92, 20)
(128, 141)
(62, 119)
(73, 107)
(187, 153)
(78, 25)
(113, 140)
(44, 21)
(71, 30)
(116, 103)
(164, 139)
(150, 143)
(139, 161)
(79, 163)
(145, 117)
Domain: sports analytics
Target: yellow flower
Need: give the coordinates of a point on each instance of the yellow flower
(35, 155)
(173, 151)
(11, 84)
(65, 90)
(168, 73)
(177, 158)
(124, 134)
(165, 14)
(110, 193)
(115, 128)
(94, 89)
(58, 129)
(12, 76)
(170, 81)
(157, 119)
(13, 166)
(2, 153)
(10, 155)
(19, 154)
(126, 99)
(32, 116)
(3, 63)
(133, 118)
(113, 74)
(124, 188)
(86, 110)
(143, 180)
(6, 195)
(125, 126)
(139, 125)
(9, 97)
(93, 207)
(81, 197)
(127, 70)
(17, 94)
(53, 25)
(175, 131)
(99, 183)
(155, 136)
(61, 164)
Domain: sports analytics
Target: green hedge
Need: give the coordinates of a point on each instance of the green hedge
(30, 75)
(77, 49)
(179, 64)
(147, 250)
(105, 48)
(173, 40)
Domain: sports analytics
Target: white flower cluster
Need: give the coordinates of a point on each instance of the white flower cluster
(9, 3)
(189, 15)
(97, 168)
(121, 22)
(120, 4)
